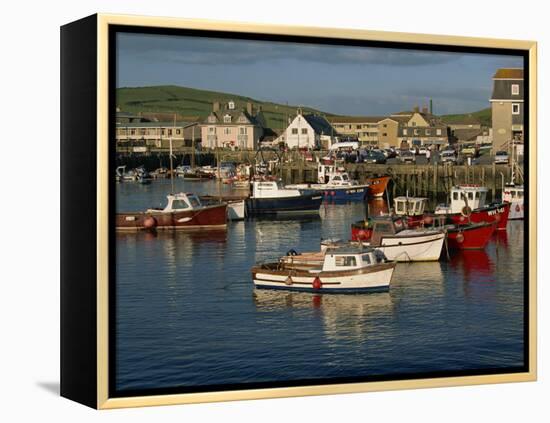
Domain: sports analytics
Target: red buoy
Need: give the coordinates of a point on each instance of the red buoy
(428, 220)
(150, 222)
(460, 238)
(317, 284)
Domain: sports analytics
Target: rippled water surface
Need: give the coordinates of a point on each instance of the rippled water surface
(187, 313)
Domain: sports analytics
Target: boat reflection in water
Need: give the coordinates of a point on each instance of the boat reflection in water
(345, 317)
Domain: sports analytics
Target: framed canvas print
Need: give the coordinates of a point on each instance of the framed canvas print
(254, 211)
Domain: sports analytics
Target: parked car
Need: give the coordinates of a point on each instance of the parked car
(373, 156)
(469, 151)
(447, 156)
(407, 156)
(501, 157)
(422, 150)
(390, 153)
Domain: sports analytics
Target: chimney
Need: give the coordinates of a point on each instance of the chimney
(249, 107)
(425, 110)
(216, 106)
(416, 109)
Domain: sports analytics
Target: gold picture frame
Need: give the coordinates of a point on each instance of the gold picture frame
(91, 386)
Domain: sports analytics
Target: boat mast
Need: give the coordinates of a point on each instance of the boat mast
(172, 157)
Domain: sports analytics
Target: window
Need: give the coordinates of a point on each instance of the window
(211, 130)
(194, 201)
(416, 132)
(242, 131)
(385, 134)
(404, 132)
(385, 125)
(515, 89)
(515, 109)
(227, 118)
(365, 258)
(477, 195)
(455, 195)
(413, 123)
(470, 196)
(428, 132)
(179, 205)
(346, 261)
(304, 131)
(438, 131)
(294, 131)
(169, 132)
(227, 131)
(178, 131)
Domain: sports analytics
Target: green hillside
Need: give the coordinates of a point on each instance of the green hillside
(194, 104)
(481, 116)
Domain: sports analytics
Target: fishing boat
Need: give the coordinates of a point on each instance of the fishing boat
(334, 185)
(513, 194)
(390, 235)
(236, 207)
(466, 235)
(377, 185)
(351, 270)
(468, 205)
(271, 197)
(182, 211)
(122, 175)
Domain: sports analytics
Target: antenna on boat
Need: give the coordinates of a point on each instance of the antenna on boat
(172, 157)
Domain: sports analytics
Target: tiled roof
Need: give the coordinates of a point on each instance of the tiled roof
(509, 73)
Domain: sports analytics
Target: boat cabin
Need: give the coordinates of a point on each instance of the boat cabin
(409, 206)
(513, 193)
(332, 175)
(472, 196)
(340, 259)
(179, 202)
(272, 189)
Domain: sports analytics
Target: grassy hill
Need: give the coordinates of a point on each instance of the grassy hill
(194, 104)
(482, 116)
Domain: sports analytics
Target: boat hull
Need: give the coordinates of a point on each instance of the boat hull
(209, 217)
(335, 194)
(372, 279)
(377, 185)
(412, 248)
(470, 237)
(284, 205)
(491, 214)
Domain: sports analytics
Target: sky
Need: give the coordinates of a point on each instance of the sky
(335, 79)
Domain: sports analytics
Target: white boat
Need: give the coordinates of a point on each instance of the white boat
(513, 194)
(236, 206)
(390, 236)
(340, 270)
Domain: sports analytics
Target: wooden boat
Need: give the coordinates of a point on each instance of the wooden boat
(183, 211)
(352, 270)
(271, 197)
(390, 235)
(468, 206)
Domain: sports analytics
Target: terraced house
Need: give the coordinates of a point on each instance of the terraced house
(364, 129)
(507, 107)
(230, 126)
(422, 128)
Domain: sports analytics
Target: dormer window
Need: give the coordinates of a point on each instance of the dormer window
(231, 105)
(227, 119)
(515, 89)
(211, 118)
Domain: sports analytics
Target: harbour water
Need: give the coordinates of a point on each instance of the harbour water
(187, 314)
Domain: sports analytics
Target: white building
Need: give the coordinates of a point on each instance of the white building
(308, 131)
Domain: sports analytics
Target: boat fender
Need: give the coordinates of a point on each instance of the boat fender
(317, 284)
(150, 222)
(518, 208)
(289, 281)
(292, 252)
(466, 211)
(428, 220)
(460, 238)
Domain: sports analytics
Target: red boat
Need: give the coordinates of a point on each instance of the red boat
(473, 236)
(377, 185)
(468, 206)
(183, 211)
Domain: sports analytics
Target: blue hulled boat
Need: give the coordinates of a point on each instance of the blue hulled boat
(271, 197)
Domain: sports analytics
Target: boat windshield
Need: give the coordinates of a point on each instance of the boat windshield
(345, 177)
(194, 201)
(346, 261)
(179, 205)
(366, 258)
